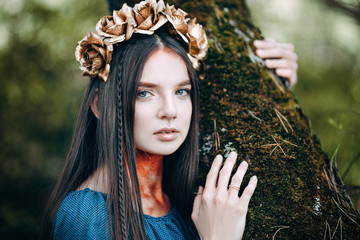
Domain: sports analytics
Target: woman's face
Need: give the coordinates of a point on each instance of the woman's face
(163, 104)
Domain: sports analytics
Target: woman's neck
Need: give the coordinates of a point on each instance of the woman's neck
(150, 167)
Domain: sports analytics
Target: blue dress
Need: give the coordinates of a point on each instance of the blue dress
(83, 215)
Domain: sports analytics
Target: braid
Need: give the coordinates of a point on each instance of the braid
(120, 155)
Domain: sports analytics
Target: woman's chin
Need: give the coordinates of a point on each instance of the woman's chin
(160, 151)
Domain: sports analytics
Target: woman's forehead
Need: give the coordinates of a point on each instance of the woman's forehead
(163, 67)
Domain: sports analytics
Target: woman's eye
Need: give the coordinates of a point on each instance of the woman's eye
(143, 94)
(183, 92)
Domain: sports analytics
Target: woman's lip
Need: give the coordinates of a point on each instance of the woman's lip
(167, 134)
(167, 130)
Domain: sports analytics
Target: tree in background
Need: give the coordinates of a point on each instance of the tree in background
(351, 9)
(327, 44)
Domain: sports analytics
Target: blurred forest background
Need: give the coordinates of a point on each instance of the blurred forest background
(41, 89)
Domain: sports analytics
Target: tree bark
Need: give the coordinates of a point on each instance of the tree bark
(245, 108)
(350, 9)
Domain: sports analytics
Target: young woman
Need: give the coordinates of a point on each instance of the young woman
(131, 168)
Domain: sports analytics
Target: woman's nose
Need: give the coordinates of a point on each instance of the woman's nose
(168, 108)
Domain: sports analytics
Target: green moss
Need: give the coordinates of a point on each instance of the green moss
(252, 113)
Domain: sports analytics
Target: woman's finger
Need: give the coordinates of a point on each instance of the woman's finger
(248, 192)
(197, 204)
(224, 175)
(281, 63)
(276, 63)
(284, 72)
(264, 44)
(213, 173)
(290, 55)
(290, 47)
(276, 52)
(287, 73)
(236, 180)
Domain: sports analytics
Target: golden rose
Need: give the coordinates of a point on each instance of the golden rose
(94, 56)
(118, 27)
(177, 19)
(148, 16)
(94, 52)
(198, 44)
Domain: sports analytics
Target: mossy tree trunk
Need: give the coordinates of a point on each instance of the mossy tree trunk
(246, 109)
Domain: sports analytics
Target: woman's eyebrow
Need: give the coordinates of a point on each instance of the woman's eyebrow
(185, 82)
(147, 84)
(153, 85)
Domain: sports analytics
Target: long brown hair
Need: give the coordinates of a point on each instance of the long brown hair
(104, 141)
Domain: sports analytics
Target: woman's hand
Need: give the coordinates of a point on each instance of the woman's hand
(218, 212)
(278, 56)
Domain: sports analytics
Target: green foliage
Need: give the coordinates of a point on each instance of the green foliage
(40, 89)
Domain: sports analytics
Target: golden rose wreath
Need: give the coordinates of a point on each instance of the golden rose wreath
(94, 51)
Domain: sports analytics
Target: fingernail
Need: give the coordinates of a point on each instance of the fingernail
(232, 154)
(253, 178)
(244, 163)
(218, 157)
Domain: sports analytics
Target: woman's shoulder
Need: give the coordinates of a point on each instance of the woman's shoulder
(82, 214)
(79, 202)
